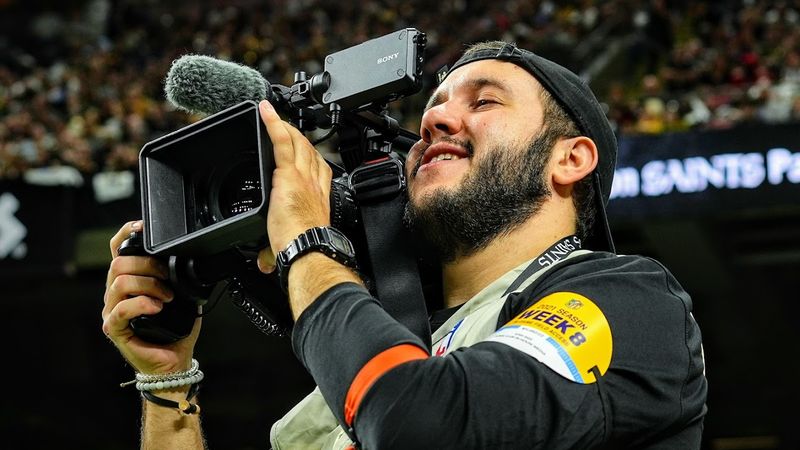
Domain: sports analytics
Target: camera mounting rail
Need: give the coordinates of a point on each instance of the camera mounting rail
(340, 97)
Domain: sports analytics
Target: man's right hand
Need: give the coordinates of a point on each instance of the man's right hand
(135, 286)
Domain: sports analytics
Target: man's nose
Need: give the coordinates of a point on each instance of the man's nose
(440, 120)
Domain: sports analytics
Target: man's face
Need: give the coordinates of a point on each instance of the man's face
(480, 168)
(478, 106)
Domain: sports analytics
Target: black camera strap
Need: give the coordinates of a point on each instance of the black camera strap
(378, 186)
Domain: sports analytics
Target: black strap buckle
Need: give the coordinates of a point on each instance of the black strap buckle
(376, 179)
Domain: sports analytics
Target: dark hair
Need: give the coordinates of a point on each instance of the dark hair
(558, 124)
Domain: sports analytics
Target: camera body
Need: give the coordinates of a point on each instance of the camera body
(205, 187)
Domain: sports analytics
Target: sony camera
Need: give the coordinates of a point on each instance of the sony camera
(206, 187)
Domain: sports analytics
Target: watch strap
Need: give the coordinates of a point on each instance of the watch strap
(327, 240)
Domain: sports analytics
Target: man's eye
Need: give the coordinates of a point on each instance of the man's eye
(483, 102)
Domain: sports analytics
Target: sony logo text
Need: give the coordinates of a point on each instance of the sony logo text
(388, 58)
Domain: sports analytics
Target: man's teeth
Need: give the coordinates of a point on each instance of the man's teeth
(443, 156)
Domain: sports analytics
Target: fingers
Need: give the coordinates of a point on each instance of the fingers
(116, 320)
(122, 234)
(129, 296)
(278, 134)
(136, 265)
(127, 286)
(307, 157)
(325, 174)
(304, 153)
(290, 146)
(266, 260)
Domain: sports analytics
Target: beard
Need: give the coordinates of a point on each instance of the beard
(506, 188)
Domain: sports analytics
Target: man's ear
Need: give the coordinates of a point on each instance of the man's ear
(574, 159)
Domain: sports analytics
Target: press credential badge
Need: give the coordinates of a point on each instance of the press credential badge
(565, 331)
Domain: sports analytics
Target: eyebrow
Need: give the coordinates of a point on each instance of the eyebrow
(473, 85)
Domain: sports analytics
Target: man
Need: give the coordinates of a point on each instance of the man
(542, 344)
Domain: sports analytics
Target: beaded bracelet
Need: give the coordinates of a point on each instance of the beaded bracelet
(172, 383)
(150, 378)
(148, 382)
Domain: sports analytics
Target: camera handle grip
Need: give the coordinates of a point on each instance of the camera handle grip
(176, 319)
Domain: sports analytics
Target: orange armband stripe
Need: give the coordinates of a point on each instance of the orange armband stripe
(374, 369)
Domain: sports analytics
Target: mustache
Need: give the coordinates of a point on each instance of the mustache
(467, 145)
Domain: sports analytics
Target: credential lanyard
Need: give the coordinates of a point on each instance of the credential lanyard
(558, 251)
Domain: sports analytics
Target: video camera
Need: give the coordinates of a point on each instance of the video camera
(206, 187)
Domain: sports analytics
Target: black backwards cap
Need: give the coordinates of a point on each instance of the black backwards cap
(572, 93)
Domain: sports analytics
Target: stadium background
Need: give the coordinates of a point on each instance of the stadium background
(705, 97)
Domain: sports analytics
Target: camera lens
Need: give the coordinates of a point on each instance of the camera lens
(240, 191)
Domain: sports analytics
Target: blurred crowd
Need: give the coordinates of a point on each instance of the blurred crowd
(81, 85)
(717, 64)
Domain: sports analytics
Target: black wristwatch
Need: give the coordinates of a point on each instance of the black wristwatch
(327, 240)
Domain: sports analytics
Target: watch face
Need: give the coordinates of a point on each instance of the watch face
(341, 243)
